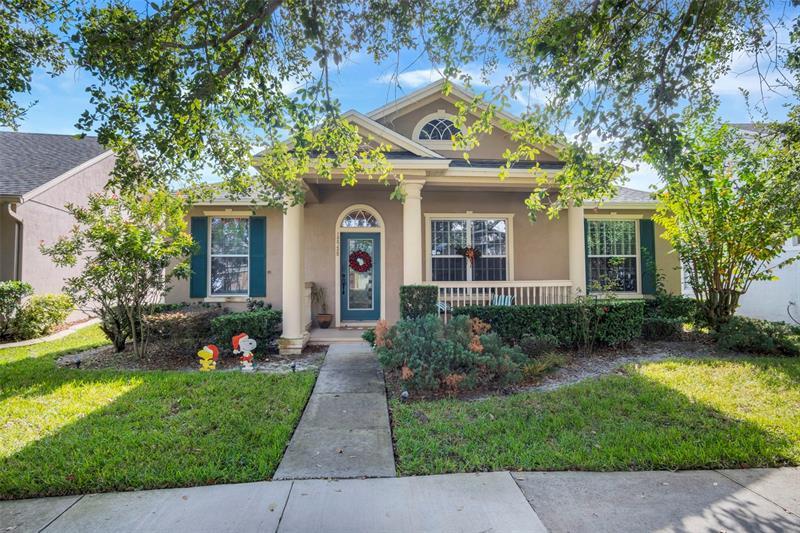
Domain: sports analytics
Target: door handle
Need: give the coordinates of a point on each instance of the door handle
(342, 284)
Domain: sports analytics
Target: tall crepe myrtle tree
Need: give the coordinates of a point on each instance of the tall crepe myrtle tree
(728, 207)
(131, 246)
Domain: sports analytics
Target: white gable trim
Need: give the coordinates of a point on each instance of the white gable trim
(395, 138)
(412, 100)
(430, 90)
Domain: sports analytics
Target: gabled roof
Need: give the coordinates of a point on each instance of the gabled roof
(430, 90)
(30, 160)
(397, 140)
(435, 88)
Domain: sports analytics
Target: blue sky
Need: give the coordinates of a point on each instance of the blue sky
(362, 85)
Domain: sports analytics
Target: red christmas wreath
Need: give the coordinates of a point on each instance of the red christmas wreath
(360, 261)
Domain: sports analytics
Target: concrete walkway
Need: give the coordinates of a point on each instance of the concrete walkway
(763, 500)
(344, 431)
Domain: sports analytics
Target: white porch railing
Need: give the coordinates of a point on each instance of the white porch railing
(460, 293)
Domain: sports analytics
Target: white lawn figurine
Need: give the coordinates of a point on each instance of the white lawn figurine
(244, 345)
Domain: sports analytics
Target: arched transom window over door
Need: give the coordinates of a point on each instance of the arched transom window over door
(360, 218)
(438, 129)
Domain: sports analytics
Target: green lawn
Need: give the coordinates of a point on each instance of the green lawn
(677, 414)
(72, 431)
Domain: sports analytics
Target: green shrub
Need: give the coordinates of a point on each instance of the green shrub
(536, 345)
(418, 300)
(431, 356)
(40, 314)
(671, 306)
(189, 322)
(656, 328)
(609, 323)
(264, 326)
(11, 295)
(369, 336)
(758, 336)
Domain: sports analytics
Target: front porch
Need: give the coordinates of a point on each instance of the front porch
(525, 263)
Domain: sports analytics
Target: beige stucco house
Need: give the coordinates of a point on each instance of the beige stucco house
(360, 246)
(39, 175)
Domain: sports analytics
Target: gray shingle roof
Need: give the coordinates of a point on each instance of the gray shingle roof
(626, 194)
(29, 160)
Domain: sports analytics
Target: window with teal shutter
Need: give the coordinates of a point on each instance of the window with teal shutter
(199, 260)
(258, 257)
(647, 241)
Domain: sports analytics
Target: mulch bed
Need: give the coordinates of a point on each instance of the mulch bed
(166, 355)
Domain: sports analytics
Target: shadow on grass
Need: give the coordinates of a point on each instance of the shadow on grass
(614, 423)
(67, 431)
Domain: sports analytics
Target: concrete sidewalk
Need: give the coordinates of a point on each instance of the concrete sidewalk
(763, 500)
(344, 431)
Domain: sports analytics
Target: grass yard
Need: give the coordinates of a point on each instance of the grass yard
(676, 414)
(65, 431)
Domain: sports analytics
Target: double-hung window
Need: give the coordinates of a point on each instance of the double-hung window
(612, 255)
(230, 256)
(451, 238)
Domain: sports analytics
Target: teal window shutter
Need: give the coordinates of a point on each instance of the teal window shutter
(647, 241)
(586, 255)
(198, 282)
(258, 257)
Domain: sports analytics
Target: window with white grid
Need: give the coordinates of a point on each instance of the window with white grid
(450, 237)
(611, 252)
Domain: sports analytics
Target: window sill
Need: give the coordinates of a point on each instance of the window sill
(225, 299)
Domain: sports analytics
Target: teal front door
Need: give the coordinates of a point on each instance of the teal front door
(360, 282)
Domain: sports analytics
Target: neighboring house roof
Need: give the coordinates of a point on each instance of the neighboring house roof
(626, 194)
(30, 160)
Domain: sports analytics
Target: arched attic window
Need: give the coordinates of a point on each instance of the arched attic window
(438, 129)
(360, 218)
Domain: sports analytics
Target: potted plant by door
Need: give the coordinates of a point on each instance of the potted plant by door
(324, 318)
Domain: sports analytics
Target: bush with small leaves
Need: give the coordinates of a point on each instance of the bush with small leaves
(536, 345)
(11, 296)
(759, 336)
(40, 314)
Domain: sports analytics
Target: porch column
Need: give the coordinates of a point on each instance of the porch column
(412, 232)
(295, 336)
(577, 251)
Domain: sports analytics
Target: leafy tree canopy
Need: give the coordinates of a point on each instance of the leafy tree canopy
(27, 40)
(193, 83)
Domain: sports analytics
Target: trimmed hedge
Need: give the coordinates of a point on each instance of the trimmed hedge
(418, 300)
(617, 322)
(264, 326)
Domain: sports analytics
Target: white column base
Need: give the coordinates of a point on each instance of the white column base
(293, 345)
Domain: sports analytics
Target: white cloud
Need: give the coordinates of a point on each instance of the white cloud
(411, 79)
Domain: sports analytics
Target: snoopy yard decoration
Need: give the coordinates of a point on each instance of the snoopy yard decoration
(208, 358)
(244, 345)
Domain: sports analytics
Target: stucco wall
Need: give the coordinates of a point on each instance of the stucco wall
(491, 146)
(45, 219)
(540, 250)
(180, 287)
